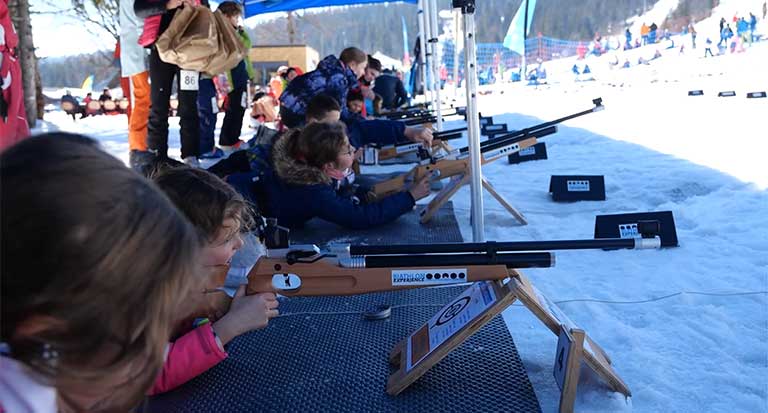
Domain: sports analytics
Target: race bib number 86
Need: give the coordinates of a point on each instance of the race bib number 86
(188, 79)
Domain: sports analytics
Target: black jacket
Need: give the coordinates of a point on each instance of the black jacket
(391, 90)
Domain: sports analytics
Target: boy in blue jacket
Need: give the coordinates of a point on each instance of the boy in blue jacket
(307, 166)
(334, 77)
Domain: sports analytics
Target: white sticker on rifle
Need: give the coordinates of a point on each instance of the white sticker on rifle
(507, 150)
(407, 148)
(428, 276)
(577, 186)
(188, 79)
(531, 150)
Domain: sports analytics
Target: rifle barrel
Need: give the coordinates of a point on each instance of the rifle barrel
(492, 246)
(416, 112)
(448, 132)
(598, 106)
(490, 145)
(417, 121)
(510, 260)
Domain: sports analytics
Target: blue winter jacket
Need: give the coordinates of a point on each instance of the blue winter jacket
(296, 193)
(378, 132)
(331, 78)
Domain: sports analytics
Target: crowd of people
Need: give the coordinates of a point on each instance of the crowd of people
(105, 105)
(72, 339)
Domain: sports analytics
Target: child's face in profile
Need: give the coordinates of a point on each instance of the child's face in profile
(346, 157)
(220, 251)
(355, 106)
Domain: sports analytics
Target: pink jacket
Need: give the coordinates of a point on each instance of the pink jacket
(188, 357)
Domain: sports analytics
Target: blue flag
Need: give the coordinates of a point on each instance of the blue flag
(514, 39)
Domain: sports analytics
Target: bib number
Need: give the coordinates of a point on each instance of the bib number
(189, 79)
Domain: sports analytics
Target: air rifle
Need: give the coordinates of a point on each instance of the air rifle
(343, 269)
(456, 164)
(392, 151)
(457, 161)
(598, 102)
(417, 113)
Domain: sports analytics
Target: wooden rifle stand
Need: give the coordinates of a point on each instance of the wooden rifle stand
(457, 182)
(463, 178)
(475, 307)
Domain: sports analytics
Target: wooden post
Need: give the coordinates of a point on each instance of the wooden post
(567, 365)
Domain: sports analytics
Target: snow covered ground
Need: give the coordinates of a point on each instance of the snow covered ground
(705, 346)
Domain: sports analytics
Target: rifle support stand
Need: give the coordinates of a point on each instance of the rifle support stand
(476, 306)
(457, 182)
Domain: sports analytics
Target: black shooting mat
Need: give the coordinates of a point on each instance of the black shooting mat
(339, 363)
(404, 230)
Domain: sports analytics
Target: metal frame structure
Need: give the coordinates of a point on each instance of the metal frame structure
(473, 117)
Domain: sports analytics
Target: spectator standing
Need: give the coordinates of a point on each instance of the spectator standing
(708, 49)
(391, 90)
(692, 30)
(238, 77)
(644, 30)
(628, 36)
(134, 72)
(207, 108)
(652, 33)
(157, 16)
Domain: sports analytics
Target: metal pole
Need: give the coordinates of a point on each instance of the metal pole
(429, 63)
(524, 75)
(456, 37)
(422, 49)
(435, 63)
(473, 121)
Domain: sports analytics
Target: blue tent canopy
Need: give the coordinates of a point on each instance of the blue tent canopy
(254, 7)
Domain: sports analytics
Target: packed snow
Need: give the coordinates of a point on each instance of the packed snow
(686, 327)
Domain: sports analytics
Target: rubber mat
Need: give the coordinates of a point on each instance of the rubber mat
(405, 230)
(312, 361)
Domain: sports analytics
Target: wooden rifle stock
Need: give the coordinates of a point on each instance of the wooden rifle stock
(441, 169)
(446, 168)
(325, 277)
(439, 141)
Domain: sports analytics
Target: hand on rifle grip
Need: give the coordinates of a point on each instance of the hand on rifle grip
(246, 313)
(422, 135)
(420, 188)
